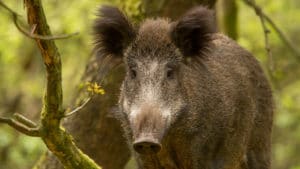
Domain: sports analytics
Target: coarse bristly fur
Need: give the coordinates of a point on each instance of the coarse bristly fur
(212, 112)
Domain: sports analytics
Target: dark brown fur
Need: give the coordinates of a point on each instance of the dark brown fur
(191, 33)
(220, 105)
(112, 31)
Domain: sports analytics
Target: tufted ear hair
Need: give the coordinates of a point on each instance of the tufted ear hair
(191, 32)
(112, 31)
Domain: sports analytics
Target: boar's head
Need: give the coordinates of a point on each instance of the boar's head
(153, 93)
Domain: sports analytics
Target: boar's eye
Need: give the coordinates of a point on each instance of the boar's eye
(132, 73)
(170, 73)
(171, 69)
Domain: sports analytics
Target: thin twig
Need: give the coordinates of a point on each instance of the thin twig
(24, 120)
(270, 60)
(33, 28)
(259, 13)
(42, 37)
(21, 127)
(7, 8)
(78, 108)
(31, 34)
(281, 35)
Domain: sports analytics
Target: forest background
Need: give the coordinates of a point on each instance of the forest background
(22, 71)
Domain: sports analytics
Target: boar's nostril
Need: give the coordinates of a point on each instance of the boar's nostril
(146, 147)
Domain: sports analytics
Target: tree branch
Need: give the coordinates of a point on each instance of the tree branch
(21, 127)
(281, 35)
(78, 108)
(24, 120)
(31, 34)
(58, 141)
(8, 9)
(270, 61)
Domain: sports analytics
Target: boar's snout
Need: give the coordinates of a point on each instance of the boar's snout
(147, 146)
(149, 126)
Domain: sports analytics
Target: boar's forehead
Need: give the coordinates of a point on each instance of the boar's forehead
(153, 42)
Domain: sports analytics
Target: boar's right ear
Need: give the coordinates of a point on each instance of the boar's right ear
(112, 31)
(191, 32)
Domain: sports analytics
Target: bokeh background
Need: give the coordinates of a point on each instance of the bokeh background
(22, 73)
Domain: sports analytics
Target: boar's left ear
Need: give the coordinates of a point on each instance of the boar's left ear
(112, 31)
(191, 32)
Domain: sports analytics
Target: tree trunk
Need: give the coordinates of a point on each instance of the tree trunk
(228, 18)
(172, 8)
(94, 129)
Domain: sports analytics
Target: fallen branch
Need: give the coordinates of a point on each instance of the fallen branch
(31, 34)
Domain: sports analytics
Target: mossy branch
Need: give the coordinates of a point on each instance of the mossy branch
(53, 134)
(58, 141)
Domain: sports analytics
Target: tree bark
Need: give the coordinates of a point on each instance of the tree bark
(94, 129)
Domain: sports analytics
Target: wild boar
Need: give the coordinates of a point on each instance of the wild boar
(192, 98)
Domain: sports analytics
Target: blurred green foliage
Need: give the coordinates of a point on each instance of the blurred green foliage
(22, 74)
(286, 73)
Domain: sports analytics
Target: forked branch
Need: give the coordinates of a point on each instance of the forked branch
(23, 125)
(58, 141)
